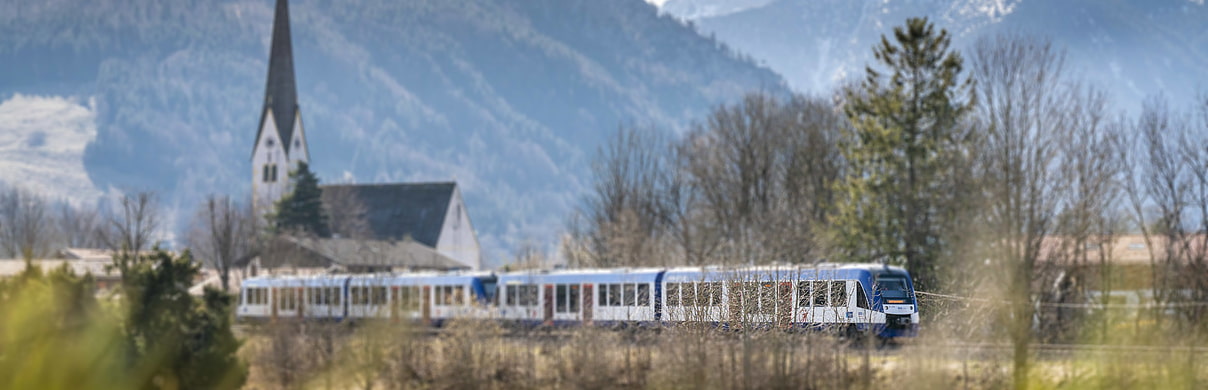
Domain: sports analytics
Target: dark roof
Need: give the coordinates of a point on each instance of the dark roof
(287, 251)
(392, 211)
(280, 91)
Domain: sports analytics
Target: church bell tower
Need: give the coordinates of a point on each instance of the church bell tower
(280, 141)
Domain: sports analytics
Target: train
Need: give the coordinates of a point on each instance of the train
(851, 298)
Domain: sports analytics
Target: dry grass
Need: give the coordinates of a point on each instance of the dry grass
(477, 354)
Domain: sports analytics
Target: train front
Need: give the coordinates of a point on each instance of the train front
(894, 295)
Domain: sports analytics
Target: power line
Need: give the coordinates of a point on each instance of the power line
(1071, 305)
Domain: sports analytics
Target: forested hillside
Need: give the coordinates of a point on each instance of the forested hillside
(509, 98)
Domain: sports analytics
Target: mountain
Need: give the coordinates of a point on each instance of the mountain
(1133, 48)
(509, 98)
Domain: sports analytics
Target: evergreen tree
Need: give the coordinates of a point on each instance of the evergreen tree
(175, 340)
(301, 211)
(903, 152)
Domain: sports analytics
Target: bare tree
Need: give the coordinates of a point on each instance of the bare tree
(626, 214)
(223, 232)
(1195, 154)
(26, 226)
(750, 184)
(763, 172)
(347, 213)
(1023, 105)
(78, 227)
(131, 228)
(1158, 192)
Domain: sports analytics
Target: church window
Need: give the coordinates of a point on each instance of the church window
(297, 143)
(269, 143)
(274, 171)
(266, 177)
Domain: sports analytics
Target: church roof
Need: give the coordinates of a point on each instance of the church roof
(280, 91)
(392, 211)
(352, 253)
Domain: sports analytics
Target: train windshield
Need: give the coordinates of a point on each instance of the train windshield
(893, 288)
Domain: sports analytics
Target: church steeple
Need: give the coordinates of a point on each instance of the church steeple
(280, 91)
(281, 140)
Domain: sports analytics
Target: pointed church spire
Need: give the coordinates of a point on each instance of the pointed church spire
(280, 91)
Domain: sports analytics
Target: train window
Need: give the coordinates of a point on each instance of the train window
(713, 290)
(629, 294)
(614, 294)
(820, 293)
(574, 298)
(603, 291)
(673, 294)
(892, 287)
(803, 293)
(750, 297)
(513, 295)
(643, 294)
(838, 293)
(693, 294)
(379, 295)
(529, 297)
(767, 298)
(861, 298)
(333, 296)
(459, 295)
(560, 302)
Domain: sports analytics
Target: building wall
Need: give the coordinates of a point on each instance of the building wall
(269, 152)
(457, 237)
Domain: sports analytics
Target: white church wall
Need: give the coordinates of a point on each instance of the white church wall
(457, 237)
(298, 152)
(268, 152)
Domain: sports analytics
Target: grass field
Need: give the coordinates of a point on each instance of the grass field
(473, 354)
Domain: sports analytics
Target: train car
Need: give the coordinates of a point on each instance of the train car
(435, 298)
(291, 297)
(827, 296)
(606, 297)
(850, 297)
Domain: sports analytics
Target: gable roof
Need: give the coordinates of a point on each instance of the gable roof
(392, 211)
(352, 253)
(280, 90)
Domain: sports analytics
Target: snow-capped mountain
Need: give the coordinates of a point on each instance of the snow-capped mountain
(1132, 48)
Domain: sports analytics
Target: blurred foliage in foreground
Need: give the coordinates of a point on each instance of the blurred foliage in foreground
(56, 334)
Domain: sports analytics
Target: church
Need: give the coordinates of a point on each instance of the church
(375, 227)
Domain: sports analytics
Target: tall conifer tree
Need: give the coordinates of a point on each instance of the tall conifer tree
(904, 147)
(301, 211)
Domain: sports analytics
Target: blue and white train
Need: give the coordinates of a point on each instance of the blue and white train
(849, 297)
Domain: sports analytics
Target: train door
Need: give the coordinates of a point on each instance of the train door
(300, 297)
(548, 305)
(784, 304)
(272, 302)
(394, 303)
(426, 306)
(588, 299)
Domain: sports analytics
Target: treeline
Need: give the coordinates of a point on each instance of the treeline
(147, 331)
(995, 174)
